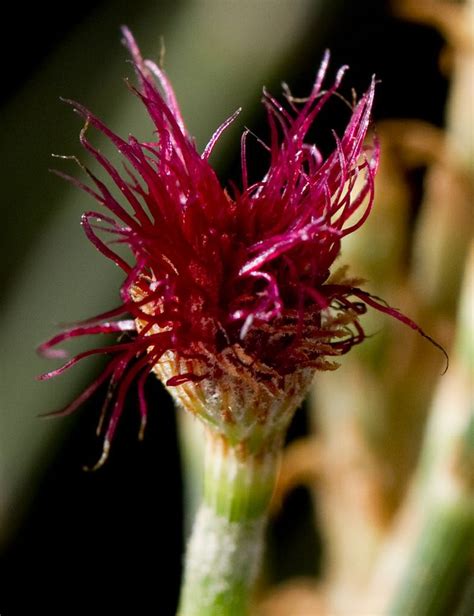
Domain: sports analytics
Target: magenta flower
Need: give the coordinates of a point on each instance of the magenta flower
(227, 285)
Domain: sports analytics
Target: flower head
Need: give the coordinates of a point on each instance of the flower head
(229, 294)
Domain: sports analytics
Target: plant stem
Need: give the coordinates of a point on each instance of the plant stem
(224, 552)
(440, 562)
(426, 564)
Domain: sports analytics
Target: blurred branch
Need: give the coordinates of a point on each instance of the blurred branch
(301, 465)
(447, 17)
(299, 597)
(371, 415)
(428, 554)
(444, 226)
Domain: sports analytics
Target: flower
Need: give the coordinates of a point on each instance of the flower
(229, 296)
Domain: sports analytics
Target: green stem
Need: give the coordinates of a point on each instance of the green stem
(440, 563)
(439, 559)
(224, 552)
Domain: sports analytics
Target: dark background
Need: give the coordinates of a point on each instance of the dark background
(111, 541)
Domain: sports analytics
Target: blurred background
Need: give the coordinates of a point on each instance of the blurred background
(77, 542)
